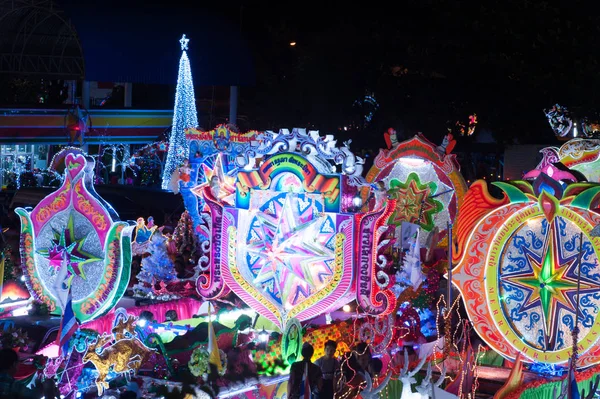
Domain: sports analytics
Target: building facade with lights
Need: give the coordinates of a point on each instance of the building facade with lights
(30, 137)
(70, 59)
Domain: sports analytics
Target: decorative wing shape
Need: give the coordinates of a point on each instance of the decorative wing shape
(478, 201)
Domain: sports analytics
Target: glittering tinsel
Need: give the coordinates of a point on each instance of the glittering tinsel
(156, 267)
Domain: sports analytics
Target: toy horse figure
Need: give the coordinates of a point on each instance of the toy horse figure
(126, 354)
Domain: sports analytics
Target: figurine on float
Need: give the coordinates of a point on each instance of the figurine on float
(581, 153)
(142, 235)
(447, 145)
(181, 174)
(391, 138)
(121, 352)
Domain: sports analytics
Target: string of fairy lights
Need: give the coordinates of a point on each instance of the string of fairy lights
(184, 116)
(17, 167)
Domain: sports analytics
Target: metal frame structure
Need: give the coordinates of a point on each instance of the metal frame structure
(36, 38)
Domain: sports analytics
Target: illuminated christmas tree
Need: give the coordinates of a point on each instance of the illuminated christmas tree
(156, 268)
(184, 116)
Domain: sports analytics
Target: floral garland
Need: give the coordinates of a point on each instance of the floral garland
(198, 363)
(13, 338)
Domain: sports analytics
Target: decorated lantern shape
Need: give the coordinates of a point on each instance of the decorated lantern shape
(72, 241)
(425, 181)
(285, 248)
(517, 266)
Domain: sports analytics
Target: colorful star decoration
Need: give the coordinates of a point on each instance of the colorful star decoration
(287, 251)
(222, 183)
(415, 204)
(66, 245)
(550, 282)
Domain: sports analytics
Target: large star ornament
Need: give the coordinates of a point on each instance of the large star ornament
(184, 43)
(288, 252)
(415, 204)
(66, 245)
(222, 184)
(550, 282)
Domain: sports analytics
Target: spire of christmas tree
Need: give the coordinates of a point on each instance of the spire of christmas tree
(184, 116)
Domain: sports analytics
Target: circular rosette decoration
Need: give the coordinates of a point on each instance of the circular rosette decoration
(199, 365)
(70, 242)
(517, 267)
(426, 182)
(287, 257)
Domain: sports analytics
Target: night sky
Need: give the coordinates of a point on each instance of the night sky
(427, 63)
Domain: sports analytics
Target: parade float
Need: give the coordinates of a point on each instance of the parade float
(285, 246)
(526, 267)
(282, 238)
(284, 242)
(285, 251)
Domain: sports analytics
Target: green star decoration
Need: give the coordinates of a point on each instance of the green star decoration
(548, 283)
(65, 244)
(415, 204)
